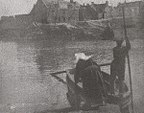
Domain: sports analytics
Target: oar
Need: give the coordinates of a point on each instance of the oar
(128, 61)
(59, 72)
(105, 64)
(58, 78)
(64, 71)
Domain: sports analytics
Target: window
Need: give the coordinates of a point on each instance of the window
(59, 19)
(64, 20)
(63, 12)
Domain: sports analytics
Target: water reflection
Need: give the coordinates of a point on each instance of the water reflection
(24, 70)
(8, 68)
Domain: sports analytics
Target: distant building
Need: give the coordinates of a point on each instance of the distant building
(64, 11)
(15, 22)
(55, 11)
(92, 11)
(39, 11)
(109, 12)
(87, 13)
(141, 22)
(14, 26)
(132, 9)
(100, 9)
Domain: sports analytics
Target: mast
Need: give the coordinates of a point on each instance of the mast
(128, 59)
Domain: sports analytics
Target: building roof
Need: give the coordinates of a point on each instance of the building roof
(62, 3)
(130, 4)
(49, 2)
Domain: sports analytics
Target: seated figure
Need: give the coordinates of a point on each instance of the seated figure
(88, 72)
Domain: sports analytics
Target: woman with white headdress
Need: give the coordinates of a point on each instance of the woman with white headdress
(88, 72)
(82, 61)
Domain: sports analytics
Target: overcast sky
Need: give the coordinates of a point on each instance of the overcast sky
(13, 7)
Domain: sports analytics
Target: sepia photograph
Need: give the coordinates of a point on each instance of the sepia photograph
(71, 56)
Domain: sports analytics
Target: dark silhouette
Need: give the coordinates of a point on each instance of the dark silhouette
(88, 72)
(118, 64)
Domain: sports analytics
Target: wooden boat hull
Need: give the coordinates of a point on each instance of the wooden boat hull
(76, 96)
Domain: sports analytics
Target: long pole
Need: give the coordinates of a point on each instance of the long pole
(128, 60)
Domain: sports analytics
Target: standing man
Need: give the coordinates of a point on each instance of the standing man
(118, 64)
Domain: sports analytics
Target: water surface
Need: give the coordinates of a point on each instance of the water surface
(25, 83)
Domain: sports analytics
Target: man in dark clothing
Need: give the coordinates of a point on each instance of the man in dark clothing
(118, 64)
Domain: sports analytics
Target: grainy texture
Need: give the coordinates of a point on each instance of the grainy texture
(27, 87)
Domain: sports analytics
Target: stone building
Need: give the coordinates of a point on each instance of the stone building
(87, 13)
(64, 12)
(39, 11)
(109, 12)
(132, 9)
(92, 11)
(100, 9)
(14, 26)
(55, 11)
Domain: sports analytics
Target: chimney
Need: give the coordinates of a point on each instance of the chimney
(87, 4)
(71, 1)
(107, 3)
(92, 3)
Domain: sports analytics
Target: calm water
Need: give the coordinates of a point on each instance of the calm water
(25, 83)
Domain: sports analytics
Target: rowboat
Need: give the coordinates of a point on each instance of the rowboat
(76, 97)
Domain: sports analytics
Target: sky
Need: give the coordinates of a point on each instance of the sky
(14, 7)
